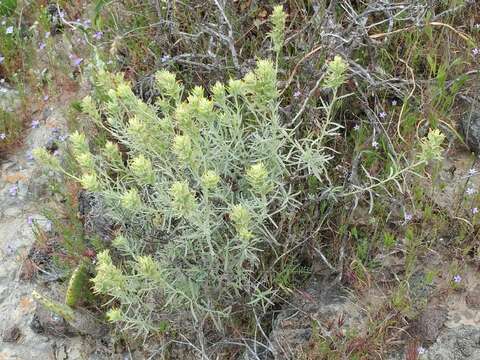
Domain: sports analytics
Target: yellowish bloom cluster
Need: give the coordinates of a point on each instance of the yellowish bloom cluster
(183, 200)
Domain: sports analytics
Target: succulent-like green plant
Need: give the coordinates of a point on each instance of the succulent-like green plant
(60, 309)
(78, 286)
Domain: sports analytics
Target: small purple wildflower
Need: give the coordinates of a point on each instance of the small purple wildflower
(375, 144)
(42, 46)
(30, 156)
(76, 61)
(394, 102)
(87, 23)
(356, 127)
(475, 52)
(383, 114)
(457, 279)
(56, 153)
(472, 171)
(165, 58)
(47, 34)
(9, 30)
(30, 220)
(13, 190)
(98, 35)
(35, 124)
(421, 350)
(3, 136)
(62, 138)
(297, 94)
(408, 217)
(46, 97)
(475, 211)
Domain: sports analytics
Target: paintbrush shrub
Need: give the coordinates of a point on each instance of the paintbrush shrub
(197, 194)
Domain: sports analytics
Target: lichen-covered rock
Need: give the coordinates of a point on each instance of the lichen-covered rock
(449, 188)
(12, 334)
(471, 131)
(9, 98)
(472, 298)
(461, 343)
(430, 322)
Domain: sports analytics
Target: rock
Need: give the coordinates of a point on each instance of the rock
(449, 189)
(47, 323)
(12, 212)
(12, 334)
(39, 186)
(9, 99)
(430, 322)
(472, 299)
(89, 324)
(8, 166)
(320, 301)
(461, 343)
(471, 130)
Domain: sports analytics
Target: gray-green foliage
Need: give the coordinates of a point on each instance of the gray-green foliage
(200, 192)
(198, 198)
